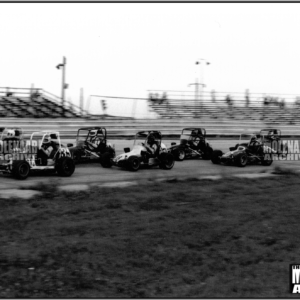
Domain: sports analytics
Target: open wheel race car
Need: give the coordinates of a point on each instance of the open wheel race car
(193, 144)
(51, 155)
(252, 152)
(91, 143)
(140, 155)
(272, 138)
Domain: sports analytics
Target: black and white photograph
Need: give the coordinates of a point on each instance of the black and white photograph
(149, 150)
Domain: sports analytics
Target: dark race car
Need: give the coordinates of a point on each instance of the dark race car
(91, 143)
(252, 152)
(193, 144)
(272, 138)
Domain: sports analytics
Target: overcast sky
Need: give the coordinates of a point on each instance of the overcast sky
(125, 49)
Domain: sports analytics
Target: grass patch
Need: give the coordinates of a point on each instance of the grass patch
(183, 239)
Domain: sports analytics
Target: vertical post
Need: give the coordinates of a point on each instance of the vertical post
(133, 108)
(81, 101)
(31, 90)
(63, 85)
(196, 95)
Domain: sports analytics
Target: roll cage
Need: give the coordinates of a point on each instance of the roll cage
(101, 133)
(195, 132)
(54, 136)
(270, 134)
(145, 134)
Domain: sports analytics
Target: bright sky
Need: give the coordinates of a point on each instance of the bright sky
(125, 49)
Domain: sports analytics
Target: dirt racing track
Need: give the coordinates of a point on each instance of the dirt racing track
(93, 173)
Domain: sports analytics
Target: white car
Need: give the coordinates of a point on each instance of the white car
(20, 161)
(132, 159)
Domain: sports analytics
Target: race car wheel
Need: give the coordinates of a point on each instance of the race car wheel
(133, 163)
(215, 156)
(180, 155)
(166, 161)
(208, 153)
(241, 160)
(65, 166)
(267, 161)
(20, 169)
(76, 155)
(105, 160)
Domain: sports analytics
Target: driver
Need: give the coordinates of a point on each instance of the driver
(194, 140)
(45, 150)
(254, 144)
(150, 144)
(93, 138)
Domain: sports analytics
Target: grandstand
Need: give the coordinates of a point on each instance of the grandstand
(35, 103)
(257, 110)
(39, 110)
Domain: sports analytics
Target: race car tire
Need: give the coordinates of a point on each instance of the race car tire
(20, 169)
(76, 155)
(215, 157)
(105, 160)
(241, 160)
(133, 163)
(267, 162)
(166, 161)
(208, 153)
(180, 154)
(65, 166)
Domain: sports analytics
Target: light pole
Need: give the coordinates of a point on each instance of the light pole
(64, 85)
(202, 76)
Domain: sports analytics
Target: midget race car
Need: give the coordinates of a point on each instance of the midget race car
(133, 159)
(270, 137)
(91, 143)
(193, 144)
(26, 156)
(245, 153)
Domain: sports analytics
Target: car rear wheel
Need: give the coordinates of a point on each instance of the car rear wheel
(166, 161)
(133, 163)
(241, 160)
(208, 153)
(20, 169)
(65, 166)
(105, 160)
(180, 155)
(76, 156)
(267, 160)
(215, 157)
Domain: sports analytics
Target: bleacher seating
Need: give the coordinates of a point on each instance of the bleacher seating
(269, 114)
(34, 107)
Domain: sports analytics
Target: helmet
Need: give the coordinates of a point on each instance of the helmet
(46, 139)
(151, 139)
(10, 133)
(93, 132)
(253, 138)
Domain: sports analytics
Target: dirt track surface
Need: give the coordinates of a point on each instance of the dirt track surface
(92, 172)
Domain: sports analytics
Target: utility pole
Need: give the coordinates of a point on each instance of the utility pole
(64, 85)
(196, 84)
(202, 78)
